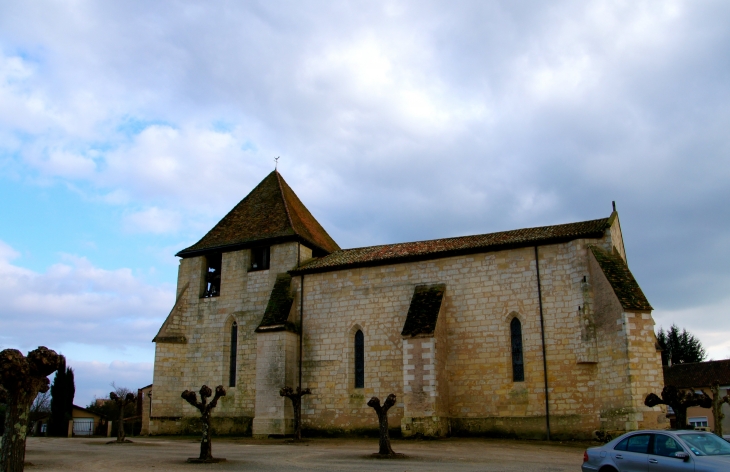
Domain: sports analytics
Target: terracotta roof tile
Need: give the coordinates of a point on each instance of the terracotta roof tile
(436, 248)
(622, 281)
(424, 310)
(271, 212)
(698, 375)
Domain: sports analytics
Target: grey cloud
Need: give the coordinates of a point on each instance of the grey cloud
(413, 120)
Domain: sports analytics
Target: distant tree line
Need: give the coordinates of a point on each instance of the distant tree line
(680, 347)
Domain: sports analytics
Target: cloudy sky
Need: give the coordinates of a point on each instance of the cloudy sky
(128, 129)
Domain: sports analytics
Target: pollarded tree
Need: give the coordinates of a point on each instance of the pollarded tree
(63, 390)
(40, 407)
(679, 399)
(205, 408)
(21, 378)
(121, 398)
(680, 347)
(296, 400)
(382, 412)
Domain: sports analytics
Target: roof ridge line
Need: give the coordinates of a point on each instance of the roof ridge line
(451, 238)
(283, 198)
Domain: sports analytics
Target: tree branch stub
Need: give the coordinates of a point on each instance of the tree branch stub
(679, 399)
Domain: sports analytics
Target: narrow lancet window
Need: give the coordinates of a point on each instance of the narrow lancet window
(359, 360)
(234, 353)
(518, 368)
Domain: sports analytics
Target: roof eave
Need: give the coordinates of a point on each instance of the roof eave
(447, 253)
(248, 244)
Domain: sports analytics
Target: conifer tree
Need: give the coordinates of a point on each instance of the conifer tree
(680, 347)
(63, 390)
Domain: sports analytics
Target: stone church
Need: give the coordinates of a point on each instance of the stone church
(523, 333)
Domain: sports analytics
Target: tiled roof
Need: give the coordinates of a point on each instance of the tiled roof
(280, 302)
(436, 248)
(622, 281)
(698, 375)
(424, 310)
(271, 212)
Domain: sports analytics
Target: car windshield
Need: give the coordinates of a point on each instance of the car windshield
(706, 444)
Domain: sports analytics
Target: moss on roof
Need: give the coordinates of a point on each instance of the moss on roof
(622, 281)
(280, 302)
(424, 310)
(271, 212)
(436, 248)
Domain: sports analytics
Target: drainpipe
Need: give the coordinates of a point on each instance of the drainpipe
(301, 314)
(542, 334)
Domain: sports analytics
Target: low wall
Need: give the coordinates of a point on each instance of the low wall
(220, 425)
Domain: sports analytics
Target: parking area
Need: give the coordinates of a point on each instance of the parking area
(169, 454)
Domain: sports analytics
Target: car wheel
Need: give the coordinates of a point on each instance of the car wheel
(607, 468)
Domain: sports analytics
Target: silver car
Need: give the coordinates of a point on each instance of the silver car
(660, 451)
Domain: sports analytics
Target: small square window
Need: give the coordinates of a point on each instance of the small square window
(260, 258)
(698, 422)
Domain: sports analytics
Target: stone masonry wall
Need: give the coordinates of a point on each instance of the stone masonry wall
(205, 322)
(645, 371)
(426, 383)
(629, 366)
(483, 292)
(596, 377)
(277, 366)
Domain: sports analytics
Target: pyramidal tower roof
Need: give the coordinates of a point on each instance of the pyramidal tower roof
(271, 213)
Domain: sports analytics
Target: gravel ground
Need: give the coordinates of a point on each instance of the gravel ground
(169, 454)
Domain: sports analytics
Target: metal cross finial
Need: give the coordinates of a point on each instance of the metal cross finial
(276, 160)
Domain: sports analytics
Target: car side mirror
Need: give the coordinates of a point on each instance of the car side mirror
(682, 455)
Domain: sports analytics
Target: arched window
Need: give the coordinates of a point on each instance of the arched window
(234, 352)
(359, 360)
(518, 368)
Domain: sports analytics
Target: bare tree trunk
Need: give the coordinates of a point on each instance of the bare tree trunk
(21, 379)
(121, 403)
(206, 445)
(382, 412)
(16, 422)
(121, 434)
(717, 403)
(296, 400)
(680, 413)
